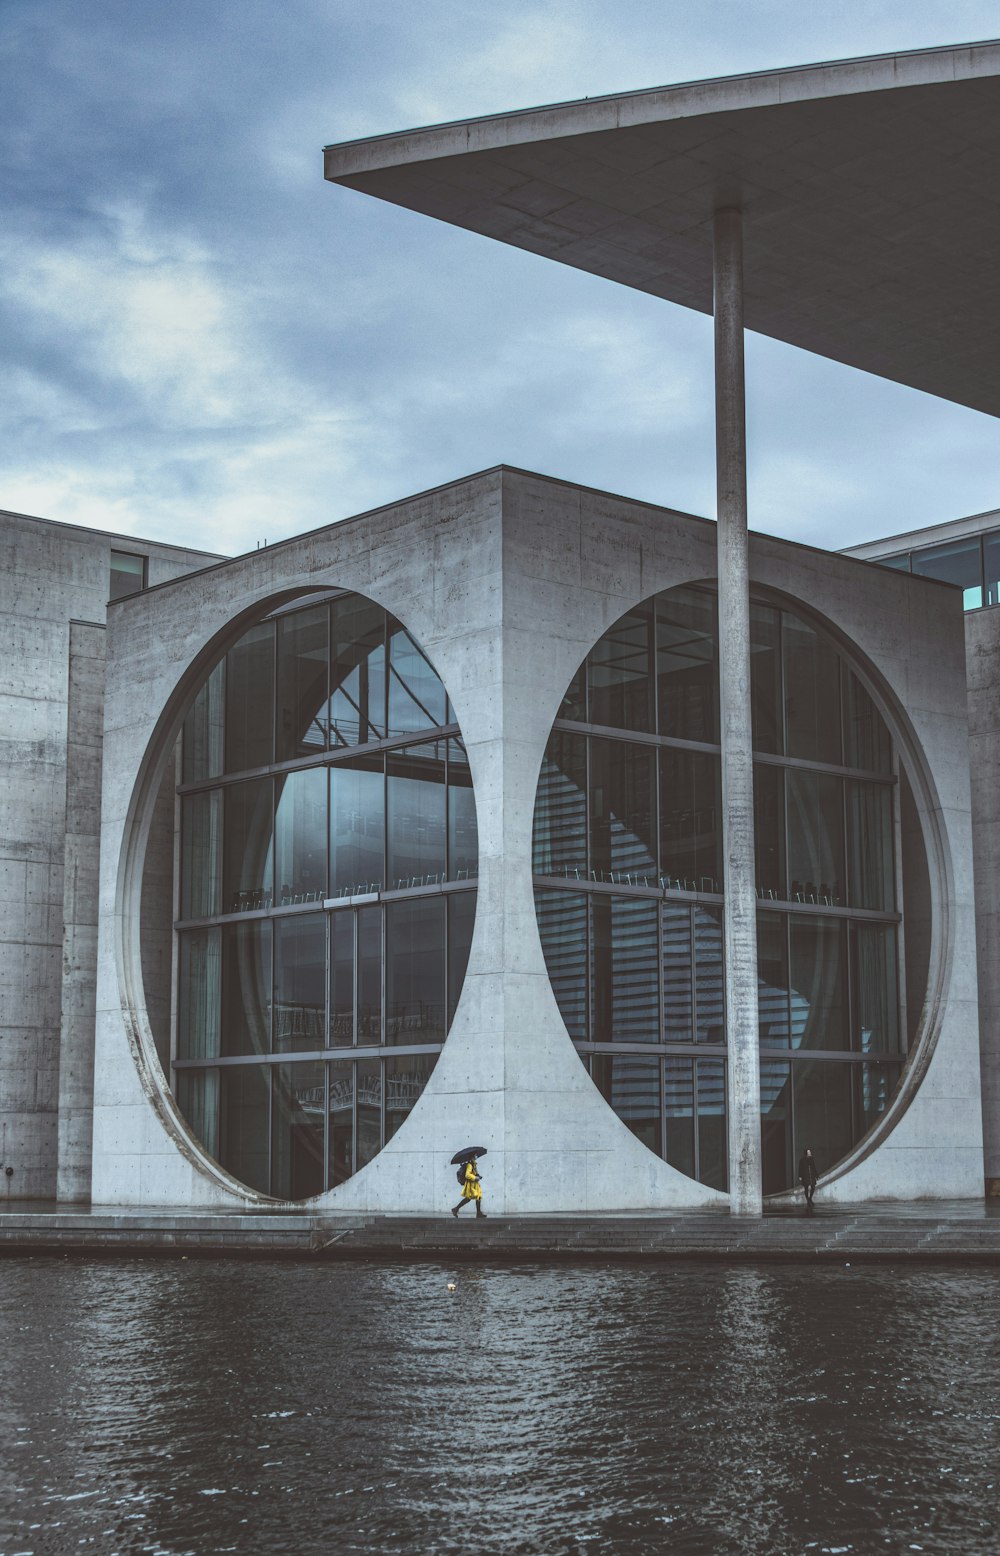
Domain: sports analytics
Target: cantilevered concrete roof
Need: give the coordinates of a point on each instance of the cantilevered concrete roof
(870, 187)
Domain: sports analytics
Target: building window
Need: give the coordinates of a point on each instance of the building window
(972, 563)
(327, 893)
(129, 574)
(629, 886)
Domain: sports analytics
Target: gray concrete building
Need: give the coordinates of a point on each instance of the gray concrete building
(636, 849)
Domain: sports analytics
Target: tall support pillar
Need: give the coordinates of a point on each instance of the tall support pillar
(740, 913)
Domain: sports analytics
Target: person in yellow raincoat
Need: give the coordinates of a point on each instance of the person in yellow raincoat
(472, 1188)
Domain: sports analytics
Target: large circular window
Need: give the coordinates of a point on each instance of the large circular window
(326, 894)
(629, 885)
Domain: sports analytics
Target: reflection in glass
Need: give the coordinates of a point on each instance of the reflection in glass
(624, 983)
(416, 695)
(772, 981)
(198, 996)
(823, 1111)
(299, 983)
(246, 988)
(300, 836)
(710, 991)
(618, 674)
(461, 922)
(357, 671)
(357, 825)
(818, 975)
(767, 720)
(991, 557)
(867, 742)
(342, 979)
(562, 927)
(560, 835)
(678, 1109)
(871, 879)
(876, 1006)
(247, 851)
(301, 690)
(202, 746)
(622, 809)
(415, 815)
(678, 972)
(415, 971)
(712, 1168)
(955, 562)
(686, 672)
(298, 1127)
(631, 1084)
(340, 1165)
(775, 1126)
(370, 975)
(201, 854)
(690, 820)
(368, 1091)
(198, 1100)
(405, 1079)
(769, 828)
(249, 680)
(815, 838)
(463, 837)
(875, 1085)
(812, 691)
(244, 1098)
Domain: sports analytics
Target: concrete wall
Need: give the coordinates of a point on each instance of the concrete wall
(50, 575)
(507, 580)
(982, 652)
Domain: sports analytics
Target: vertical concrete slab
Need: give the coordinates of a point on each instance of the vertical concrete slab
(982, 654)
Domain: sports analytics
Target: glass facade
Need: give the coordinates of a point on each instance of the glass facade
(327, 895)
(972, 562)
(630, 881)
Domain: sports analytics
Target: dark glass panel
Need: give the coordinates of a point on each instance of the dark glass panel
(631, 1084)
(415, 971)
(618, 674)
(300, 836)
(769, 828)
(128, 574)
(416, 695)
(871, 877)
(818, 976)
(991, 557)
(299, 983)
(198, 1099)
(772, 980)
(765, 679)
(198, 994)
(244, 1117)
(246, 988)
(687, 674)
(867, 742)
(917, 914)
(624, 988)
(560, 836)
(461, 922)
(574, 703)
(678, 973)
(875, 987)
(301, 691)
(776, 1126)
(678, 1107)
(463, 838)
(823, 1117)
(357, 671)
(622, 811)
(712, 1150)
(368, 1085)
(357, 825)
(874, 1086)
(247, 848)
(562, 927)
(202, 747)
(815, 805)
(201, 854)
(298, 1122)
(690, 820)
(710, 993)
(415, 815)
(342, 978)
(250, 700)
(370, 975)
(405, 1079)
(341, 1122)
(812, 692)
(955, 562)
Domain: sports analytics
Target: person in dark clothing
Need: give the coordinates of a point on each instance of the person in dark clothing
(807, 1177)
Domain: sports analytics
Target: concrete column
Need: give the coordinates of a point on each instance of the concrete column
(740, 914)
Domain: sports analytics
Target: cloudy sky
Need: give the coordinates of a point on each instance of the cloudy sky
(202, 341)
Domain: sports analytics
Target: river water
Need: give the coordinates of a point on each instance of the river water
(176, 1406)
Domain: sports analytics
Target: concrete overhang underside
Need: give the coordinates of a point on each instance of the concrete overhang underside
(869, 189)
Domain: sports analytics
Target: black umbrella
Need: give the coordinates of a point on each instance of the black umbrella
(460, 1157)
